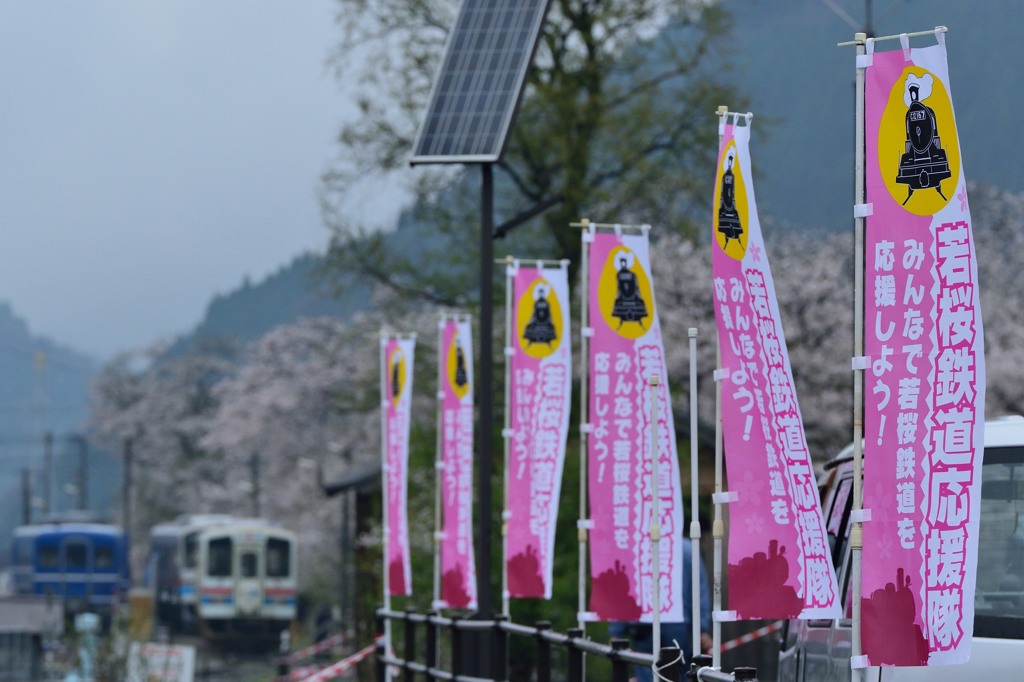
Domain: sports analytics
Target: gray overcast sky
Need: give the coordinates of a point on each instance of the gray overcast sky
(155, 152)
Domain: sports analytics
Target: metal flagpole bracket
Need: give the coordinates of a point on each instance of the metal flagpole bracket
(724, 616)
(721, 374)
(860, 515)
(868, 58)
(860, 363)
(863, 210)
(725, 497)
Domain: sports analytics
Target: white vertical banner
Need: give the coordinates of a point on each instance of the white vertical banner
(924, 394)
(458, 566)
(540, 361)
(396, 387)
(626, 349)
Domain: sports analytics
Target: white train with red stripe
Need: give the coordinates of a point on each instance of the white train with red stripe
(224, 576)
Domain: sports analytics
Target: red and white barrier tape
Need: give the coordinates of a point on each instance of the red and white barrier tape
(300, 673)
(329, 643)
(336, 669)
(751, 636)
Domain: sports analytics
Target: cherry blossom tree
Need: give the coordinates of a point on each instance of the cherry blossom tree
(161, 403)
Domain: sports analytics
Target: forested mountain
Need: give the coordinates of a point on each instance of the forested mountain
(43, 388)
(285, 296)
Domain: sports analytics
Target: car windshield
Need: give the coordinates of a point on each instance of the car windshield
(999, 598)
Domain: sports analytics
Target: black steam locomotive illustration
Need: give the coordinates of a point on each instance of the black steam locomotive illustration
(923, 164)
(728, 216)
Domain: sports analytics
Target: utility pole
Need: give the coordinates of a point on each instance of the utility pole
(26, 497)
(126, 489)
(254, 468)
(47, 472)
(83, 472)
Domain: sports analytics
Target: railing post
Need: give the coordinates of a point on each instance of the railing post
(431, 643)
(381, 647)
(620, 669)
(669, 662)
(543, 652)
(575, 655)
(410, 644)
(696, 663)
(499, 650)
(456, 646)
(745, 674)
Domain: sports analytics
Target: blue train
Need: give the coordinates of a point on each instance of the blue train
(83, 563)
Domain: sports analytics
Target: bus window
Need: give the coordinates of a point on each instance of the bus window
(219, 558)
(999, 594)
(278, 558)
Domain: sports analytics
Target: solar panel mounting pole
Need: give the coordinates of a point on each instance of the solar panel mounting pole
(485, 395)
(470, 111)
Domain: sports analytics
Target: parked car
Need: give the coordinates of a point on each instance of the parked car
(819, 650)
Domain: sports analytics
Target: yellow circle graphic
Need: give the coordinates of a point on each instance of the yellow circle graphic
(539, 320)
(731, 221)
(918, 150)
(624, 294)
(396, 374)
(458, 367)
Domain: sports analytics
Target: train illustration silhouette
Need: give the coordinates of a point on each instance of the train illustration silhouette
(924, 164)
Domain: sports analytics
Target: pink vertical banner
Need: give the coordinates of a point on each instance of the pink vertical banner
(540, 360)
(396, 387)
(458, 568)
(925, 378)
(780, 564)
(626, 349)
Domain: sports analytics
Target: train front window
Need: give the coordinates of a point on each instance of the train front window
(191, 544)
(999, 596)
(219, 558)
(249, 565)
(278, 558)
(103, 556)
(49, 556)
(76, 555)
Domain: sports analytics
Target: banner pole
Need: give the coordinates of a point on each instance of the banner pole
(717, 527)
(386, 533)
(856, 533)
(655, 529)
(694, 492)
(581, 532)
(510, 267)
(438, 465)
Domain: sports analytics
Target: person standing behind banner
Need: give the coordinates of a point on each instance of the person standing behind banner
(642, 634)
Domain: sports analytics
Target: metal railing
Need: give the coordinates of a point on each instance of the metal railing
(478, 651)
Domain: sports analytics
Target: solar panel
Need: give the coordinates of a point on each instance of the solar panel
(475, 94)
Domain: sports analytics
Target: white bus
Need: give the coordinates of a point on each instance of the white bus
(819, 650)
